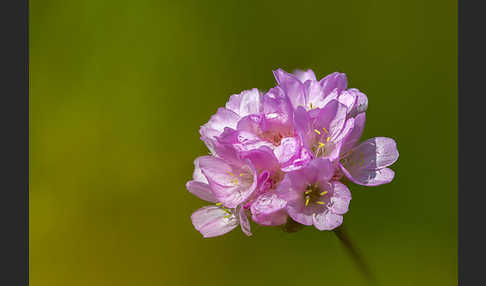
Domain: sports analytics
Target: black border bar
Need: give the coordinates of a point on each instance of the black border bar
(14, 114)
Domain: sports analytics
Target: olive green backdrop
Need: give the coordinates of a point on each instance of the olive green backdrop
(120, 88)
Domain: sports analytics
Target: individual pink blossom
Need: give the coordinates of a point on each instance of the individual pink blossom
(274, 122)
(217, 220)
(366, 164)
(269, 209)
(230, 183)
(214, 220)
(239, 105)
(323, 133)
(312, 198)
(199, 185)
(303, 89)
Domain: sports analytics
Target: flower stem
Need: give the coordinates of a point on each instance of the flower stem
(355, 255)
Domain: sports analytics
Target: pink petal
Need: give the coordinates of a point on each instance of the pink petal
(245, 103)
(336, 142)
(341, 196)
(337, 123)
(299, 213)
(361, 104)
(370, 177)
(197, 175)
(304, 76)
(324, 168)
(288, 149)
(314, 95)
(286, 191)
(244, 222)
(303, 126)
(277, 110)
(354, 136)
(375, 153)
(292, 87)
(225, 180)
(251, 123)
(326, 220)
(262, 159)
(213, 221)
(201, 190)
(240, 140)
(298, 162)
(333, 81)
(216, 170)
(349, 99)
(318, 169)
(366, 165)
(332, 115)
(269, 210)
(223, 118)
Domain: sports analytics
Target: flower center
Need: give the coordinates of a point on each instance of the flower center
(229, 213)
(314, 195)
(352, 158)
(240, 177)
(319, 149)
(274, 137)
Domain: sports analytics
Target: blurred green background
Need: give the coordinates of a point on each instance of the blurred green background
(120, 88)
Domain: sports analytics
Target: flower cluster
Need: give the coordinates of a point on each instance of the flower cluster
(281, 156)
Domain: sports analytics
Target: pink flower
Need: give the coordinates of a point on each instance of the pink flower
(312, 198)
(304, 90)
(199, 185)
(214, 220)
(230, 183)
(238, 106)
(283, 153)
(274, 122)
(234, 183)
(322, 130)
(366, 164)
(269, 209)
(217, 220)
(273, 127)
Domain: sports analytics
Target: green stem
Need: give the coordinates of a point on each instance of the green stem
(355, 255)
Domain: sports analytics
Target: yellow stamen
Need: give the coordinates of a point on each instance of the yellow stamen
(328, 138)
(236, 181)
(241, 174)
(321, 203)
(317, 131)
(323, 193)
(311, 105)
(218, 204)
(325, 130)
(231, 174)
(307, 200)
(307, 192)
(321, 145)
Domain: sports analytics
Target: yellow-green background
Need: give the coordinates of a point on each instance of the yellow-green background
(118, 90)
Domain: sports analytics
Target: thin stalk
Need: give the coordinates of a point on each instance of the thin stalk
(355, 255)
